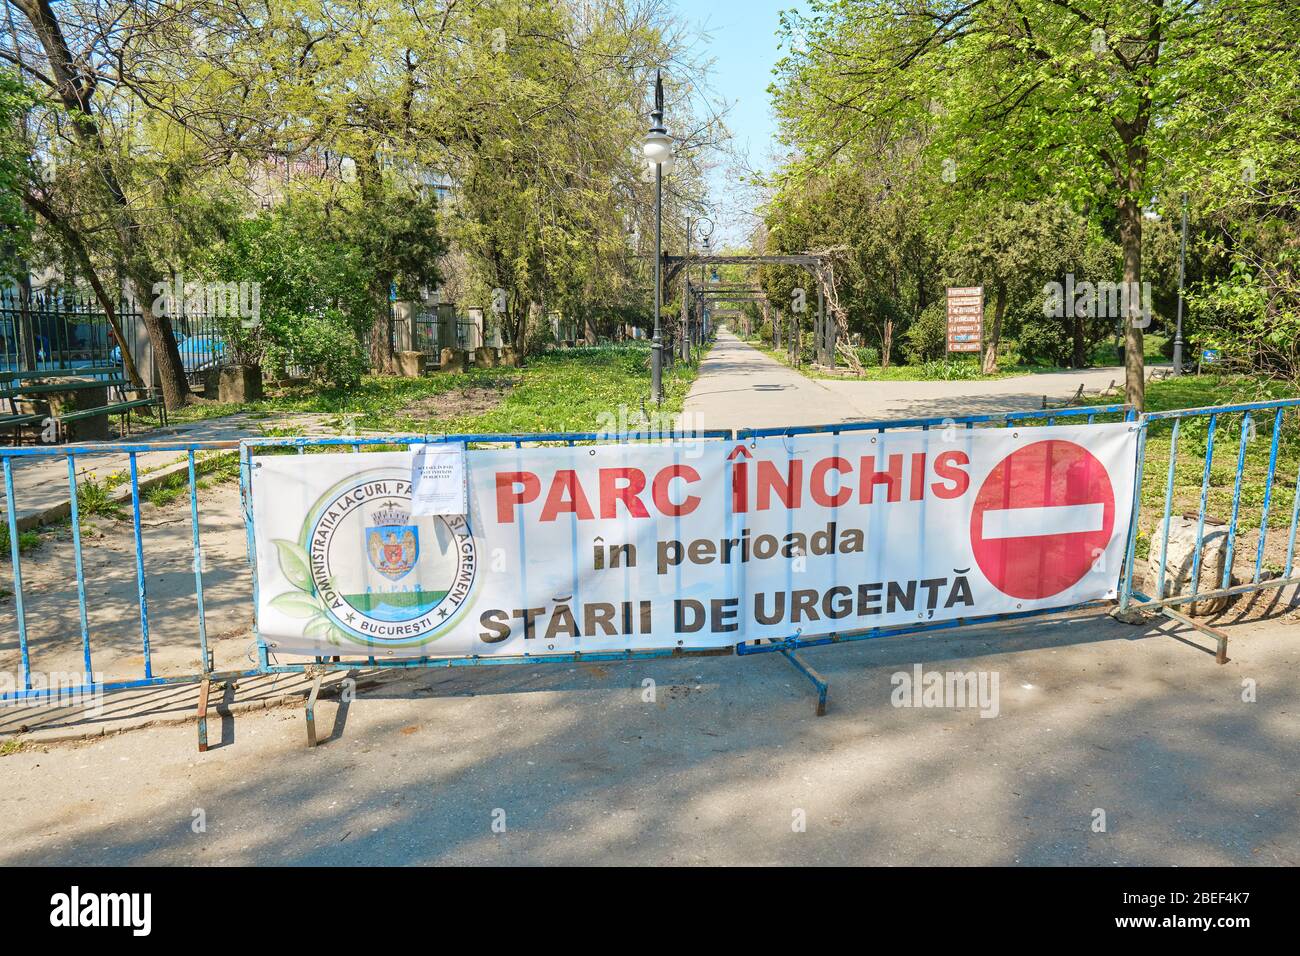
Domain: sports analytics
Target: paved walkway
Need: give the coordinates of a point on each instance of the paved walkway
(41, 494)
(741, 387)
(424, 767)
(582, 770)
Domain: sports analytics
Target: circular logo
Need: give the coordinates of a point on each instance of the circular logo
(382, 574)
(1042, 519)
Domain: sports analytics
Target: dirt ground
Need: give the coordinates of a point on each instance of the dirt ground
(113, 617)
(473, 400)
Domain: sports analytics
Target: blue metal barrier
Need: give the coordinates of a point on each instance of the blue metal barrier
(1219, 421)
(192, 453)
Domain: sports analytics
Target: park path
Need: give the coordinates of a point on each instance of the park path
(420, 766)
(741, 387)
(41, 483)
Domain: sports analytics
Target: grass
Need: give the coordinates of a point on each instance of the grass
(11, 747)
(561, 390)
(208, 470)
(1200, 391)
(93, 498)
(27, 540)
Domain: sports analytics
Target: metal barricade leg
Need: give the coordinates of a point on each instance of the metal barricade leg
(802, 667)
(311, 711)
(204, 689)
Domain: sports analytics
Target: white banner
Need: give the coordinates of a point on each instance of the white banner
(689, 544)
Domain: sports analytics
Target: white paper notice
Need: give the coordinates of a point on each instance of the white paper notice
(438, 480)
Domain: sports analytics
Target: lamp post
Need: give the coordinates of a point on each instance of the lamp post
(697, 226)
(1178, 327)
(658, 149)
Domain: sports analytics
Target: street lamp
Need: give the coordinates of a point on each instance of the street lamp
(706, 246)
(703, 227)
(658, 151)
(1182, 263)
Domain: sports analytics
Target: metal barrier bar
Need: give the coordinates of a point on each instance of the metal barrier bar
(1131, 549)
(518, 440)
(967, 420)
(1295, 522)
(1233, 591)
(1257, 581)
(75, 514)
(1268, 496)
(114, 448)
(198, 564)
(18, 574)
(1205, 496)
(137, 684)
(139, 565)
(1247, 429)
(1222, 409)
(265, 665)
(1169, 502)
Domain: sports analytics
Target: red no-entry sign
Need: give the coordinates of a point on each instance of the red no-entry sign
(1042, 519)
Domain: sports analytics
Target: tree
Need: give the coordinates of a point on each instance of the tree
(15, 223)
(1104, 102)
(1012, 249)
(73, 78)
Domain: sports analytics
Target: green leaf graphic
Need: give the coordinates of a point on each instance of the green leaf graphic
(294, 563)
(317, 627)
(296, 604)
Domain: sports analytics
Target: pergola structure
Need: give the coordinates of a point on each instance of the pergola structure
(818, 266)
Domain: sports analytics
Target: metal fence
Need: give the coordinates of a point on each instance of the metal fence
(1253, 492)
(190, 657)
(442, 328)
(66, 331)
(39, 332)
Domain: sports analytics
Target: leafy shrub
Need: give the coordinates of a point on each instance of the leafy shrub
(324, 346)
(869, 356)
(1009, 355)
(927, 337)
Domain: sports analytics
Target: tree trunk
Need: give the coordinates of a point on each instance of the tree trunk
(75, 89)
(1079, 357)
(1130, 233)
(82, 255)
(685, 341)
(886, 343)
(162, 340)
(995, 333)
(370, 179)
(381, 325)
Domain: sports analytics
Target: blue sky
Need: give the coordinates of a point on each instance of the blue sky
(740, 36)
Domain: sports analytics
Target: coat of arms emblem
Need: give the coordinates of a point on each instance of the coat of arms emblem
(392, 542)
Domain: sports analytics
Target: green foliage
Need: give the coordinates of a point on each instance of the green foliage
(927, 337)
(15, 222)
(94, 500)
(345, 121)
(314, 276)
(325, 346)
(27, 540)
(559, 390)
(950, 370)
(1025, 140)
(869, 356)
